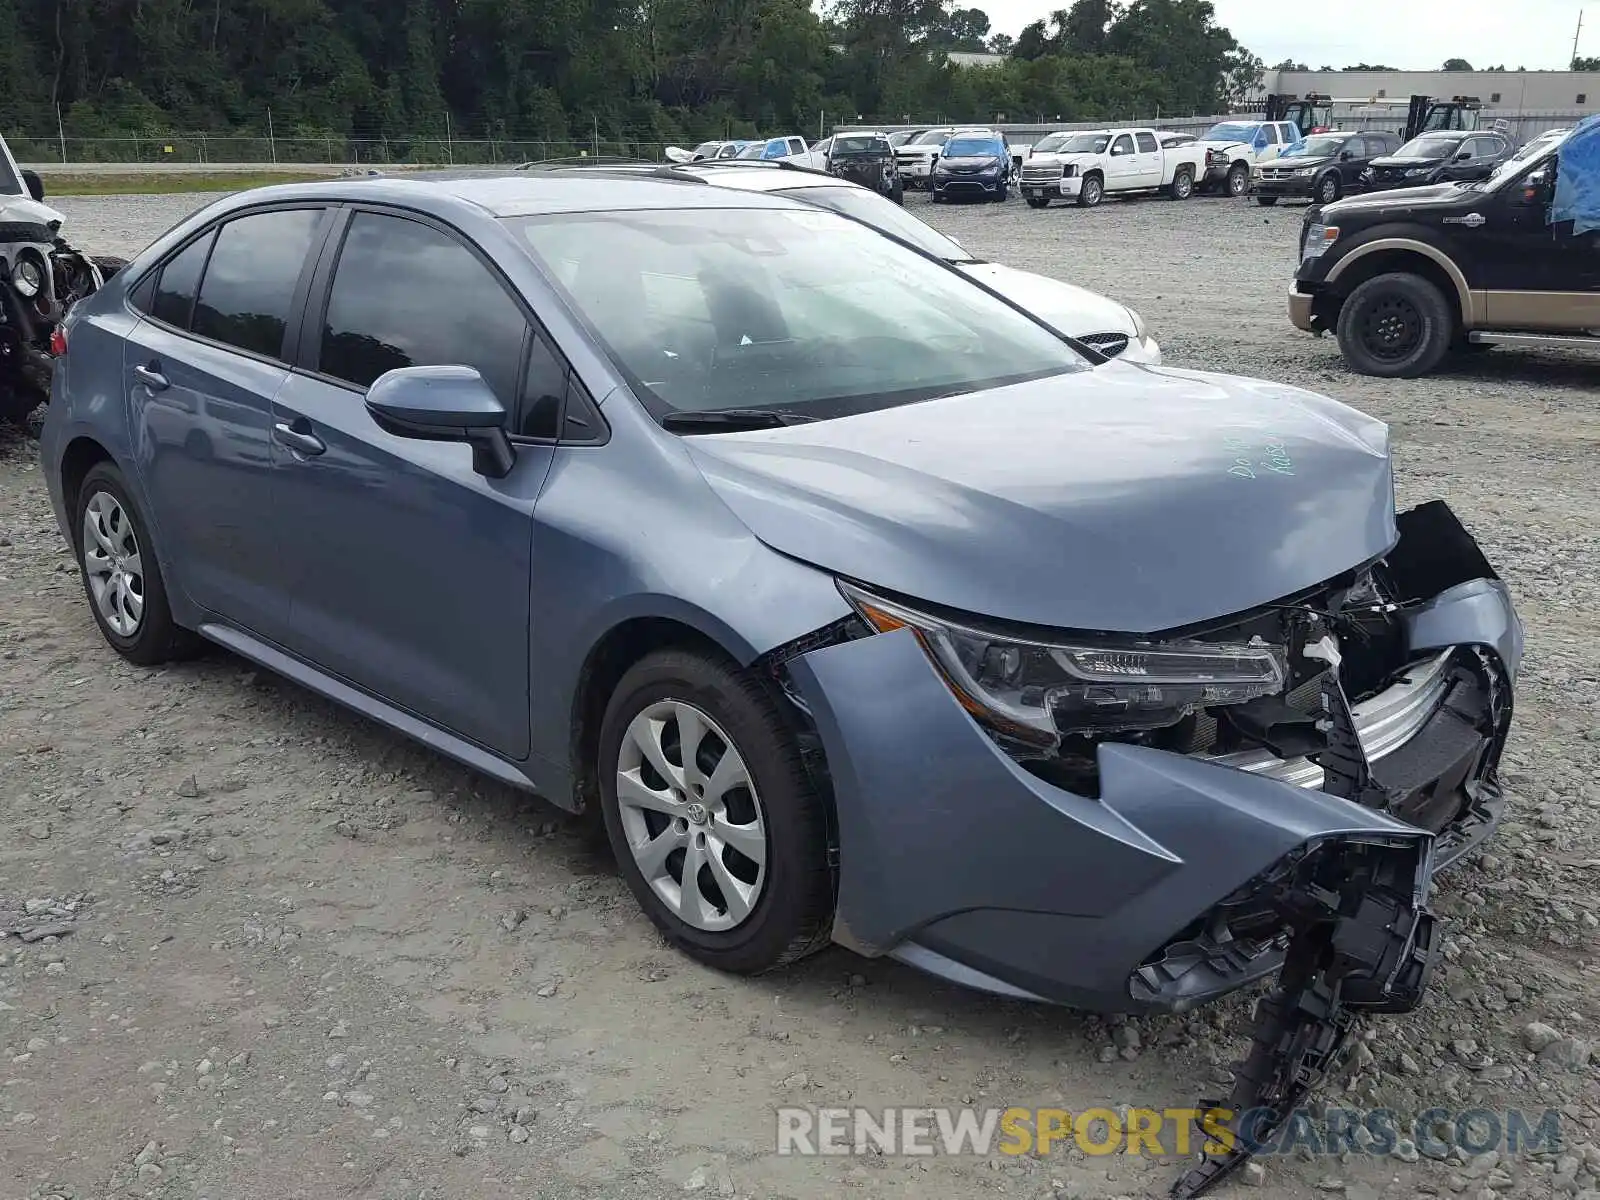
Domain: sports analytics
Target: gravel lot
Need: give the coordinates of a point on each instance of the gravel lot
(302, 957)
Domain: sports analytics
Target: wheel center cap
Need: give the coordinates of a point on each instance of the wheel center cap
(697, 814)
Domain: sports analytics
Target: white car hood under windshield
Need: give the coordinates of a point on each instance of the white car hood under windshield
(25, 210)
(1072, 310)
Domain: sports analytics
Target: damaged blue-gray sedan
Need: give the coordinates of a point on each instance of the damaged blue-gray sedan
(863, 607)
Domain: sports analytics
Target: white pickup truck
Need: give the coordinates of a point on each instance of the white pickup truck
(1086, 166)
(1235, 148)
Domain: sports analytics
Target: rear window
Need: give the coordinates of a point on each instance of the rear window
(860, 145)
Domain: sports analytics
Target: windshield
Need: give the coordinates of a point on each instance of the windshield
(1231, 131)
(973, 147)
(730, 149)
(753, 150)
(791, 309)
(706, 148)
(1538, 148)
(10, 183)
(1314, 147)
(882, 214)
(1428, 147)
(1085, 143)
(933, 137)
(859, 144)
(1051, 142)
(902, 137)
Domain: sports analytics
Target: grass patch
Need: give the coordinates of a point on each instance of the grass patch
(152, 183)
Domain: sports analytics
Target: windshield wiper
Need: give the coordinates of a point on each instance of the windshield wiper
(715, 419)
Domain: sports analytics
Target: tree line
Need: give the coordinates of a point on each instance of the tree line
(635, 70)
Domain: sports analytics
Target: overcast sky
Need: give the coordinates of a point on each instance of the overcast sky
(1411, 34)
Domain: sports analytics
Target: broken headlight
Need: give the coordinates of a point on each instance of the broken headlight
(1036, 691)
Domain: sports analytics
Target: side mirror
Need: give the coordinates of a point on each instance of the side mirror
(445, 404)
(1464, 156)
(1346, 155)
(35, 185)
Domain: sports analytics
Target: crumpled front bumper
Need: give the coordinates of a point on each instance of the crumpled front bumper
(955, 859)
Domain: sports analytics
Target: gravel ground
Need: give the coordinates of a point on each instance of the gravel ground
(301, 957)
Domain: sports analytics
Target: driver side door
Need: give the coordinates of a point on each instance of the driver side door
(1122, 164)
(1535, 275)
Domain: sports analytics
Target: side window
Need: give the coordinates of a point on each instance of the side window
(173, 302)
(406, 295)
(1147, 143)
(1479, 147)
(247, 294)
(1123, 145)
(544, 387)
(797, 146)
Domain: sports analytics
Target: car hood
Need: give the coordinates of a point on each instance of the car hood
(1293, 162)
(1123, 499)
(921, 150)
(970, 160)
(1218, 145)
(1390, 162)
(1397, 200)
(25, 210)
(1072, 310)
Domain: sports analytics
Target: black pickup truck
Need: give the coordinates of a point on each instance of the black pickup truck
(1406, 276)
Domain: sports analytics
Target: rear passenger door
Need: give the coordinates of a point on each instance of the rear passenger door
(410, 572)
(201, 369)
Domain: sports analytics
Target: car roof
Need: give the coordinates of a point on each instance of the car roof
(522, 194)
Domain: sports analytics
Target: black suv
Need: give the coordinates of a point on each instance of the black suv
(1405, 276)
(1322, 167)
(1441, 157)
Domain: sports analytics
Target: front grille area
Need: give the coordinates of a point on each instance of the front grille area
(1109, 344)
(1047, 173)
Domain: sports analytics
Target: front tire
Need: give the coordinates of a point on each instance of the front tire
(1092, 192)
(121, 573)
(701, 781)
(1396, 326)
(1238, 181)
(1328, 189)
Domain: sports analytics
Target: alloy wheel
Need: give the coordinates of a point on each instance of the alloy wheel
(1328, 191)
(692, 816)
(112, 564)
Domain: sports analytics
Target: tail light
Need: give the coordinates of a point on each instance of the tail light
(58, 341)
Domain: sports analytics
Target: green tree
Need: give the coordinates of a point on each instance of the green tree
(1456, 64)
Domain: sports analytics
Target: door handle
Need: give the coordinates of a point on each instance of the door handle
(152, 377)
(301, 441)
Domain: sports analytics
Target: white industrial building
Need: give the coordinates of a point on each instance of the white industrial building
(1508, 91)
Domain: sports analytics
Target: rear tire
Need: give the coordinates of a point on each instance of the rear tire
(666, 698)
(122, 574)
(1182, 186)
(16, 402)
(1092, 192)
(1038, 201)
(1004, 192)
(1396, 326)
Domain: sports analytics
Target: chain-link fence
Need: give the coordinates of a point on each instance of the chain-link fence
(200, 148)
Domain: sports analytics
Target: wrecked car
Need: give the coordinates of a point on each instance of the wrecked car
(857, 603)
(867, 159)
(41, 278)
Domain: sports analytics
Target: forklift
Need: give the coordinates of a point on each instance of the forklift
(1428, 115)
(1311, 113)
